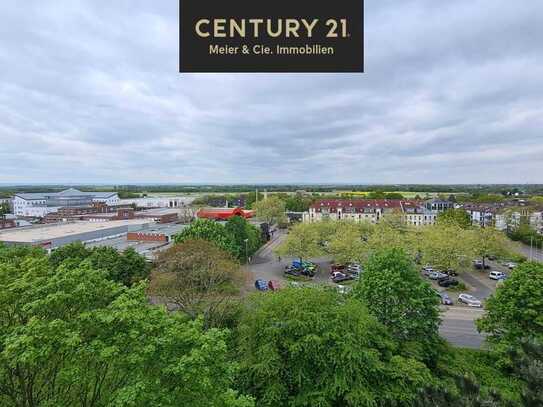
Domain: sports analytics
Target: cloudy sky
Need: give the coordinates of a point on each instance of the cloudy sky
(90, 92)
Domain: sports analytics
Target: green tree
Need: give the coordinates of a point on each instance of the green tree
(209, 230)
(515, 311)
(528, 365)
(297, 203)
(310, 347)
(270, 210)
(394, 292)
(196, 276)
(347, 244)
(447, 246)
(72, 337)
(458, 217)
(488, 242)
(75, 251)
(301, 242)
(246, 238)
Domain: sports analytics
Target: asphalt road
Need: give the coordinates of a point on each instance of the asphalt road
(457, 327)
(531, 252)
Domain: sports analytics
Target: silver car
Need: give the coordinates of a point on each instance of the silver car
(436, 275)
(469, 300)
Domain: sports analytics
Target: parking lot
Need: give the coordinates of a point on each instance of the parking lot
(458, 325)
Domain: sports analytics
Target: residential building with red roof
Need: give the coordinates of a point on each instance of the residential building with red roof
(370, 210)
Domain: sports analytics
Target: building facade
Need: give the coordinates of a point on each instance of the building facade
(40, 204)
(370, 210)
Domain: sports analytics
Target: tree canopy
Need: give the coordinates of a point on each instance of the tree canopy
(458, 217)
(309, 346)
(70, 336)
(127, 267)
(196, 276)
(395, 294)
(515, 311)
(230, 237)
(271, 210)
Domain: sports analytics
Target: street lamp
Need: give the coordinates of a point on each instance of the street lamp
(246, 250)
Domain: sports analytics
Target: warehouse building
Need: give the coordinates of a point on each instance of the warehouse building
(51, 237)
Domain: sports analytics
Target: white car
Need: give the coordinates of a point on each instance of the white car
(337, 274)
(469, 300)
(427, 270)
(497, 275)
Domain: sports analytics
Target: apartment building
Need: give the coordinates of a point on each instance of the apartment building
(370, 210)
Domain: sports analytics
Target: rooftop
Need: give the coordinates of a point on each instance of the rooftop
(66, 193)
(49, 232)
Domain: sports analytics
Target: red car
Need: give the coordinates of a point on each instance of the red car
(274, 285)
(337, 267)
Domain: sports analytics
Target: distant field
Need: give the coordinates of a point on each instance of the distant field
(406, 194)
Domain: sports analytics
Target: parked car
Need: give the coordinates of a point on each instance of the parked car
(510, 265)
(436, 275)
(337, 267)
(308, 265)
(355, 274)
(427, 270)
(261, 285)
(340, 279)
(274, 285)
(478, 264)
(354, 267)
(445, 299)
(469, 300)
(291, 271)
(451, 272)
(336, 274)
(447, 282)
(307, 272)
(497, 275)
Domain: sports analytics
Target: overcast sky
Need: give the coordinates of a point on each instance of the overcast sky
(90, 92)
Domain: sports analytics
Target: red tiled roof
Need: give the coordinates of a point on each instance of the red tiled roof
(223, 213)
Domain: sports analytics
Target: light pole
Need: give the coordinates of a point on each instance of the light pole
(246, 251)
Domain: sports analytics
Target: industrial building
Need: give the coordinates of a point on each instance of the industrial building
(51, 237)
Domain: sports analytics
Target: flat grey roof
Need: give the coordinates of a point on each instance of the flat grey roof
(40, 233)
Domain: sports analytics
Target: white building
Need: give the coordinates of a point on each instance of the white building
(159, 202)
(39, 204)
(370, 210)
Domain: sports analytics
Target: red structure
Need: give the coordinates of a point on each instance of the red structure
(223, 213)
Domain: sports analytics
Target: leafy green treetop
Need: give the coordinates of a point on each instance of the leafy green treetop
(458, 217)
(394, 292)
(310, 347)
(515, 311)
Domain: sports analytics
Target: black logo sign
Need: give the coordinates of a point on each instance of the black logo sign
(271, 36)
